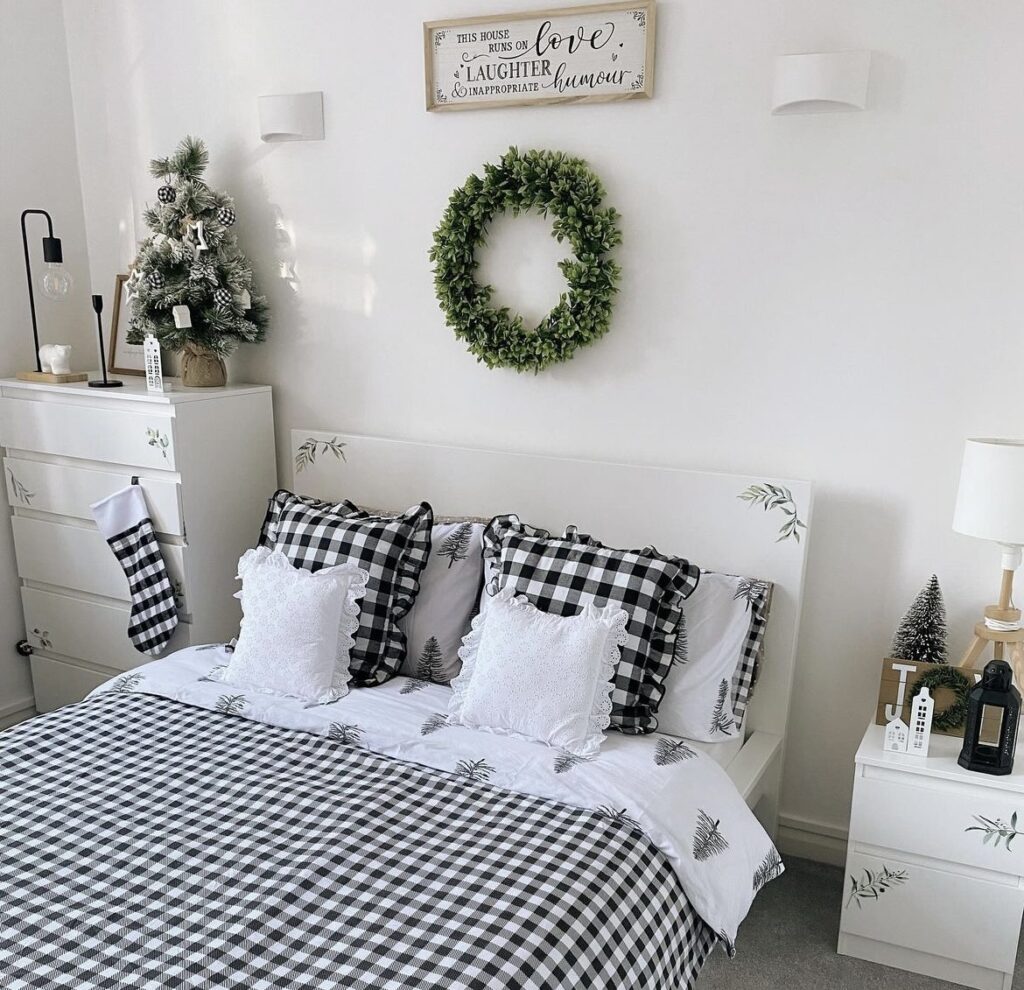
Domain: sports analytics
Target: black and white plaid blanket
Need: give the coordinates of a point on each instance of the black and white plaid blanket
(148, 843)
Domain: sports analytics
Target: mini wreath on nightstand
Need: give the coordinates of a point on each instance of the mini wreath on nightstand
(547, 181)
(951, 717)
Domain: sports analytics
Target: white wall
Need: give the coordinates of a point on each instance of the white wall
(38, 170)
(827, 297)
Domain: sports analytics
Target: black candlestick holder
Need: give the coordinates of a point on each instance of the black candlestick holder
(104, 382)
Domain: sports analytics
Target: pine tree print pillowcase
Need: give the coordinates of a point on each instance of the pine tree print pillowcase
(716, 659)
(449, 593)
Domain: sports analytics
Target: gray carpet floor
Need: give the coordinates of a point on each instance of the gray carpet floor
(788, 942)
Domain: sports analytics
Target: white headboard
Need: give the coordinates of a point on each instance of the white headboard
(690, 513)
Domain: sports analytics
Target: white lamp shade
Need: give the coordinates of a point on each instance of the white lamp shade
(990, 501)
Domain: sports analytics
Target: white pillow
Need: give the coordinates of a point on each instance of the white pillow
(297, 627)
(701, 692)
(449, 591)
(546, 677)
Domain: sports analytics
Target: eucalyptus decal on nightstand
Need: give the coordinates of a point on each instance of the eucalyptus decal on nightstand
(770, 496)
(996, 829)
(43, 635)
(307, 451)
(872, 885)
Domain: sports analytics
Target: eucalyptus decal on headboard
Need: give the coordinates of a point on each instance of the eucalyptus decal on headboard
(770, 496)
(547, 181)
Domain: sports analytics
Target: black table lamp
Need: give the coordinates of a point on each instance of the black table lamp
(104, 382)
(57, 283)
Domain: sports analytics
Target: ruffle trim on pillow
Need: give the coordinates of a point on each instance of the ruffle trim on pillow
(601, 705)
(348, 622)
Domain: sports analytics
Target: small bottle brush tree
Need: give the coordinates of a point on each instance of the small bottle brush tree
(192, 259)
(921, 635)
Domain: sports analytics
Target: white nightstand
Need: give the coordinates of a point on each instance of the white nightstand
(954, 895)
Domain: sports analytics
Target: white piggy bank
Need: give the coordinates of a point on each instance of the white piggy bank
(55, 358)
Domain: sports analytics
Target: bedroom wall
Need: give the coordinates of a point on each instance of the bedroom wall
(38, 169)
(825, 297)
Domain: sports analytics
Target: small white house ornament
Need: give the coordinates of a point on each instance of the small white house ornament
(896, 736)
(921, 711)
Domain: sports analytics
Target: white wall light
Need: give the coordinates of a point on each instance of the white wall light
(292, 117)
(821, 82)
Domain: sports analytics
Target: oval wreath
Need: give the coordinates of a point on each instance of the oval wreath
(953, 716)
(548, 181)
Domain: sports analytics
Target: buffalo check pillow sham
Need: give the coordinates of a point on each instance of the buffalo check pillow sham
(393, 551)
(562, 575)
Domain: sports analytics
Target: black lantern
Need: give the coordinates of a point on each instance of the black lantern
(993, 710)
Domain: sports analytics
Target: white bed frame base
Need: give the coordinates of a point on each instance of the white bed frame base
(695, 514)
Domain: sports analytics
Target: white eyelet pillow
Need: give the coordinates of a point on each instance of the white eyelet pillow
(546, 677)
(297, 627)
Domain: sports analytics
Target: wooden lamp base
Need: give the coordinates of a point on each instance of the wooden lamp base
(999, 638)
(50, 378)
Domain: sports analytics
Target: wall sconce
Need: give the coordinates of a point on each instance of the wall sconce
(292, 117)
(821, 82)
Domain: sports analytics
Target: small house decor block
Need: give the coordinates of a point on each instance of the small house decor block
(896, 736)
(921, 722)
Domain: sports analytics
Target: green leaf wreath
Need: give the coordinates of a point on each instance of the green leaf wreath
(955, 714)
(546, 181)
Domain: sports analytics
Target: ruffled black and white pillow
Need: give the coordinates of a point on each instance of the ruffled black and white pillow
(393, 550)
(561, 575)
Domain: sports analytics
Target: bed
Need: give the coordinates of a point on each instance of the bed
(170, 832)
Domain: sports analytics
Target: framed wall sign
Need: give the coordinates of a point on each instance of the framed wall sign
(566, 55)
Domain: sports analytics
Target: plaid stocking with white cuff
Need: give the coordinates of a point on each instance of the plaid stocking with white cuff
(123, 519)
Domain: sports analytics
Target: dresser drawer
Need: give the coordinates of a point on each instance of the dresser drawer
(87, 630)
(69, 491)
(79, 558)
(122, 436)
(899, 814)
(932, 911)
(57, 684)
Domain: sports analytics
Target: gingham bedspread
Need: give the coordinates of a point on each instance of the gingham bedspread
(145, 842)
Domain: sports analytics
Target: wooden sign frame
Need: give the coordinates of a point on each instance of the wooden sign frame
(898, 677)
(641, 85)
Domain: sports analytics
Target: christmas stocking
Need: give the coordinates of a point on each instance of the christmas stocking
(124, 521)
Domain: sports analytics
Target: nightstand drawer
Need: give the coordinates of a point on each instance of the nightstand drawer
(905, 813)
(57, 684)
(79, 558)
(932, 911)
(87, 630)
(122, 436)
(69, 491)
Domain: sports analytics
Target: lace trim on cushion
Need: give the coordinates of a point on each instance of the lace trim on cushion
(601, 704)
(348, 623)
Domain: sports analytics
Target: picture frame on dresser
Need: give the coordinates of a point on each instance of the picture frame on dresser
(206, 463)
(124, 358)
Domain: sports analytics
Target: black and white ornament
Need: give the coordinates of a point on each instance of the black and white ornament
(156, 279)
(226, 216)
(166, 194)
(222, 300)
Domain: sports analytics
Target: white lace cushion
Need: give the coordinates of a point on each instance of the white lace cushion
(546, 677)
(297, 627)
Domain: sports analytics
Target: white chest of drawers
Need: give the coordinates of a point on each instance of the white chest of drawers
(205, 458)
(931, 886)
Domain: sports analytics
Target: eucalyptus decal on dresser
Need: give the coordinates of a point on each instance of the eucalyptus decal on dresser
(43, 635)
(996, 829)
(307, 451)
(770, 496)
(873, 884)
(158, 439)
(20, 491)
(549, 182)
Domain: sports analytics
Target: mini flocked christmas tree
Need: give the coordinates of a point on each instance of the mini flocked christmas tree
(921, 635)
(190, 285)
